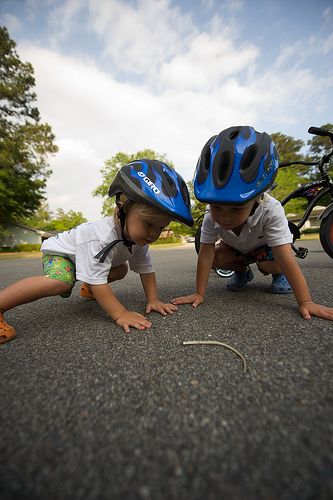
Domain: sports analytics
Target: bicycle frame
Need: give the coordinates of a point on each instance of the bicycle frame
(322, 187)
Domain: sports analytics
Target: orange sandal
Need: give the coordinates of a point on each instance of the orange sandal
(86, 292)
(7, 332)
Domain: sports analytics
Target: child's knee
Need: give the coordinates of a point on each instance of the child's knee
(65, 288)
(60, 287)
(224, 256)
(268, 267)
(123, 270)
(118, 273)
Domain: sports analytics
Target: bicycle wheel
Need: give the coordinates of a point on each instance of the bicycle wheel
(223, 273)
(326, 234)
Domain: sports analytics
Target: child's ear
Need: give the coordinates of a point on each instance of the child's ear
(120, 201)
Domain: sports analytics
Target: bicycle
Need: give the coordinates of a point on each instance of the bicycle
(313, 192)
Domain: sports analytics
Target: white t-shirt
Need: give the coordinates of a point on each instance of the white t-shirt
(83, 242)
(267, 226)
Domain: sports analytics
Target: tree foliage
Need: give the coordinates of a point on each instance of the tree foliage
(64, 221)
(197, 209)
(25, 142)
(289, 178)
(110, 169)
(318, 146)
(46, 220)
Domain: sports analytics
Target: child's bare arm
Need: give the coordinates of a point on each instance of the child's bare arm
(204, 266)
(284, 257)
(153, 302)
(114, 308)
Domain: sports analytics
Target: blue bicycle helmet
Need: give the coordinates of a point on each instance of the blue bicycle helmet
(157, 184)
(235, 166)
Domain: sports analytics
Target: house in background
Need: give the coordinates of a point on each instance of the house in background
(17, 234)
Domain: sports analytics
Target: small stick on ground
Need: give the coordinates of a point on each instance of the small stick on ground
(215, 342)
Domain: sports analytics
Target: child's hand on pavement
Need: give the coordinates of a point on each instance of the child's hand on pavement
(308, 309)
(161, 307)
(131, 318)
(195, 299)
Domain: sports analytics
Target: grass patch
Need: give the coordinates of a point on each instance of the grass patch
(20, 255)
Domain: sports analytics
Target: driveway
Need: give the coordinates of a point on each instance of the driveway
(89, 412)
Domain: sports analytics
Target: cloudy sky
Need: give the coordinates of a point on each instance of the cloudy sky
(124, 75)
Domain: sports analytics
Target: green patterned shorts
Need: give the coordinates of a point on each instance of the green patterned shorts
(61, 269)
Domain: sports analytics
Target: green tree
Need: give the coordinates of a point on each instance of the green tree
(25, 142)
(41, 217)
(45, 220)
(289, 178)
(64, 221)
(197, 209)
(320, 145)
(110, 169)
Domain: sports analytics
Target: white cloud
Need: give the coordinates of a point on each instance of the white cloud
(210, 59)
(63, 16)
(11, 22)
(94, 117)
(75, 175)
(327, 46)
(327, 14)
(197, 84)
(139, 37)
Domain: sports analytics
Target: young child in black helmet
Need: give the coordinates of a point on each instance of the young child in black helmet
(149, 194)
(234, 171)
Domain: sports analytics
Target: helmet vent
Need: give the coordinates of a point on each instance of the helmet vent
(233, 135)
(204, 162)
(248, 166)
(169, 187)
(222, 167)
(185, 195)
(150, 172)
(246, 132)
(137, 166)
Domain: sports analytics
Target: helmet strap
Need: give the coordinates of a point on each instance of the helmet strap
(254, 208)
(122, 217)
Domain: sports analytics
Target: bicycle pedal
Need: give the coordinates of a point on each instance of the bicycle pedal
(301, 252)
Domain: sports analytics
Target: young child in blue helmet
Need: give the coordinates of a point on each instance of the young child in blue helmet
(149, 194)
(234, 172)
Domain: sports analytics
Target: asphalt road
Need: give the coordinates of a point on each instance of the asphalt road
(89, 412)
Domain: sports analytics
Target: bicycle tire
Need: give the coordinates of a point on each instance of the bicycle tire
(326, 234)
(223, 273)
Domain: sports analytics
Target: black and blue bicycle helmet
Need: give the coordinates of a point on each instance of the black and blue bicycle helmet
(235, 166)
(157, 184)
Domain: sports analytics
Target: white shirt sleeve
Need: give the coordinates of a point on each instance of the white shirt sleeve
(276, 227)
(209, 230)
(141, 261)
(89, 269)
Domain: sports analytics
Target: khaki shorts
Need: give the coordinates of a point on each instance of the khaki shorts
(60, 268)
